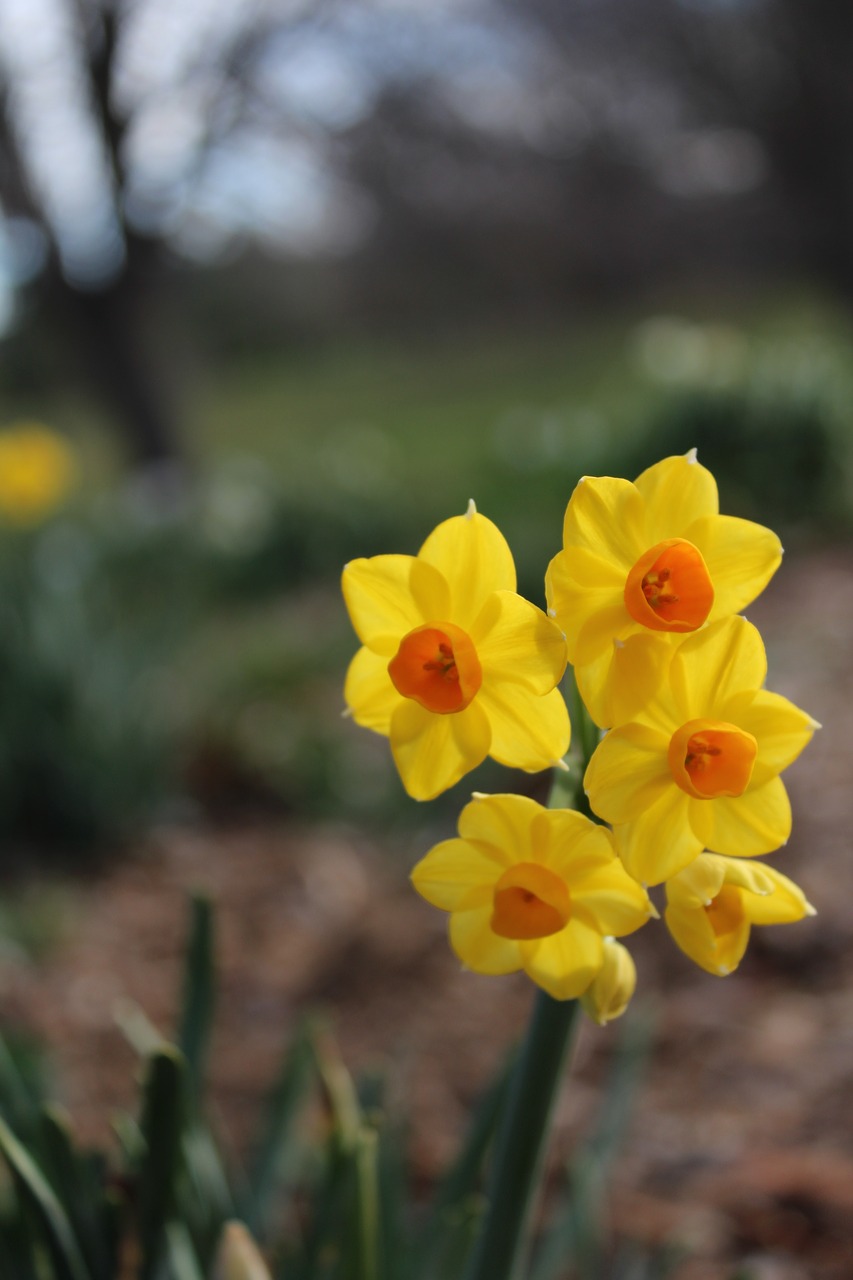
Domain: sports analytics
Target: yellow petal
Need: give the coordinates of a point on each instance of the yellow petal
(572, 846)
(609, 994)
(379, 598)
(565, 964)
(757, 822)
(601, 632)
(611, 901)
(714, 665)
(780, 729)
(579, 584)
(786, 904)
(607, 516)
(454, 869)
(659, 843)
(527, 732)
(692, 931)
(628, 772)
(756, 879)
(430, 592)
(677, 491)
(478, 947)
(626, 678)
(369, 693)
(472, 555)
(697, 884)
(432, 752)
(503, 821)
(515, 641)
(741, 558)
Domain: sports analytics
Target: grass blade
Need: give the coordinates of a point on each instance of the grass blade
(274, 1157)
(35, 1189)
(367, 1207)
(456, 1201)
(162, 1128)
(578, 1235)
(199, 996)
(181, 1261)
(80, 1191)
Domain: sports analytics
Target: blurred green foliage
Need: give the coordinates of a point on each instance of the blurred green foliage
(323, 1189)
(165, 647)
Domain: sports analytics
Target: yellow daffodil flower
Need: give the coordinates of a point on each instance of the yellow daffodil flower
(644, 563)
(713, 903)
(455, 666)
(36, 471)
(699, 767)
(534, 889)
(610, 992)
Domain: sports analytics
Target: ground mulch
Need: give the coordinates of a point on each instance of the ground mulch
(741, 1146)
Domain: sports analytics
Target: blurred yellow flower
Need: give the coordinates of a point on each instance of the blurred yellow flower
(610, 992)
(36, 471)
(534, 889)
(641, 564)
(455, 666)
(699, 767)
(713, 903)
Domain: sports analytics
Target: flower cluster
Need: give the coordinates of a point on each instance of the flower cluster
(644, 601)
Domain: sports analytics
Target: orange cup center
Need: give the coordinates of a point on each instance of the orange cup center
(725, 912)
(669, 588)
(710, 758)
(437, 665)
(530, 902)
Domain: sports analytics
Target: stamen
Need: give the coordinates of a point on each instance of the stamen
(437, 666)
(669, 588)
(711, 758)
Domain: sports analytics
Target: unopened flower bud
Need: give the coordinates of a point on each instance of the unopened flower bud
(607, 997)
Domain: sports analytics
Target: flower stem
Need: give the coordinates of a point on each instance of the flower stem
(501, 1247)
(500, 1251)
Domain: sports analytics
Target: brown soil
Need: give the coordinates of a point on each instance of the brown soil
(742, 1140)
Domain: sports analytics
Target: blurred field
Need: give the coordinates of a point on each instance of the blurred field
(179, 657)
(204, 642)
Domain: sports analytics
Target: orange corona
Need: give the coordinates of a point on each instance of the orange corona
(437, 666)
(669, 588)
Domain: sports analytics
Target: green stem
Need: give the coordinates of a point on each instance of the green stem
(517, 1166)
(520, 1148)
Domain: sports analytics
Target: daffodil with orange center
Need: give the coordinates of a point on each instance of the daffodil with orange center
(455, 665)
(643, 564)
(534, 889)
(699, 767)
(713, 904)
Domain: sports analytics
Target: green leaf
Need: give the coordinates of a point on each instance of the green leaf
(367, 1209)
(19, 1099)
(181, 1260)
(339, 1087)
(276, 1153)
(199, 996)
(34, 1188)
(80, 1190)
(207, 1200)
(578, 1234)
(162, 1128)
(456, 1202)
(137, 1028)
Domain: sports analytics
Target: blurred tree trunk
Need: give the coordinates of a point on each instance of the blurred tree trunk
(104, 323)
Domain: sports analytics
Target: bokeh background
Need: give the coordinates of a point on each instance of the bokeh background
(286, 283)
